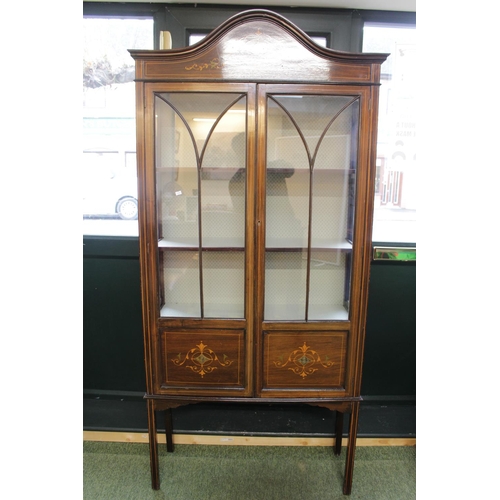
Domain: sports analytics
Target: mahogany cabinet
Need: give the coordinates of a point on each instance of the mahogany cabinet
(256, 163)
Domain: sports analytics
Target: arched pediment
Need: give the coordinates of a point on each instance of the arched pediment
(258, 45)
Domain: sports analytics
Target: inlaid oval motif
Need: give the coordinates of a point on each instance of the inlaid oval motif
(303, 361)
(201, 359)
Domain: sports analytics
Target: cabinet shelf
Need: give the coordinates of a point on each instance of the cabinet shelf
(283, 246)
(234, 245)
(180, 311)
(221, 244)
(295, 312)
(229, 311)
(286, 312)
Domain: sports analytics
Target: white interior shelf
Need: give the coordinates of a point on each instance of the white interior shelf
(283, 243)
(290, 312)
(211, 310)
(192, 243)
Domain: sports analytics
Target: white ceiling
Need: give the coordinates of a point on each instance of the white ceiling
(396, 5)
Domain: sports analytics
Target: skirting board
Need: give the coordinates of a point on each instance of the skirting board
(139, 437)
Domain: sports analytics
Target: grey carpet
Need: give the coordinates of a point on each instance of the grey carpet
(198, 472)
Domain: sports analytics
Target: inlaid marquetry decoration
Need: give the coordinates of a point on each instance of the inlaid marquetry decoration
(214, 63)
(201, 359)
(303, 361)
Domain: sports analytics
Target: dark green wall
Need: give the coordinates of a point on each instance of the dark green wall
(113, 354)
(112, 322)
(390, 347)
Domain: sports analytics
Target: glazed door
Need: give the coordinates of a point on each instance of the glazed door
(308, 166)
(203, 232)
(255, 237)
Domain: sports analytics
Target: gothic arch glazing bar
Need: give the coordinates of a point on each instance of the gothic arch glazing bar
(308, 181)
(200, 220)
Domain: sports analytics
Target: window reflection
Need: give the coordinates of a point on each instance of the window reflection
(109, 169)
(395, 189)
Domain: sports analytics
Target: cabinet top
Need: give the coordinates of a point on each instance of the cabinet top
(258, 45)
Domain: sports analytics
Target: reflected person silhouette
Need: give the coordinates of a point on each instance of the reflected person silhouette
(281, 217)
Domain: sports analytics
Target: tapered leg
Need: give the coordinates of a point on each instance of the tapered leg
(153, 446)
(169, 429)
(351, 448)
(339, 427)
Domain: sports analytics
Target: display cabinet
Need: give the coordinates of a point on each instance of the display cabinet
(256, 163)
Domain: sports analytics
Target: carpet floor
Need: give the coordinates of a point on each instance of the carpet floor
(120, 471)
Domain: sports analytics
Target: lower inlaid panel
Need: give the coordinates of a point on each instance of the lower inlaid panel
(203, 358)
(304, 360)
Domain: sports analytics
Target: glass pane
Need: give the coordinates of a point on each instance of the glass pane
(312, 156)
(224, 284)
(201, 178)
(176, 178)
(223, 181)
(396, 180)
(312, 115)
(327, 296)
(285, 291)
(334, 171)
(287, 183)
(109, 171)
(180, 284)
(201, 134)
